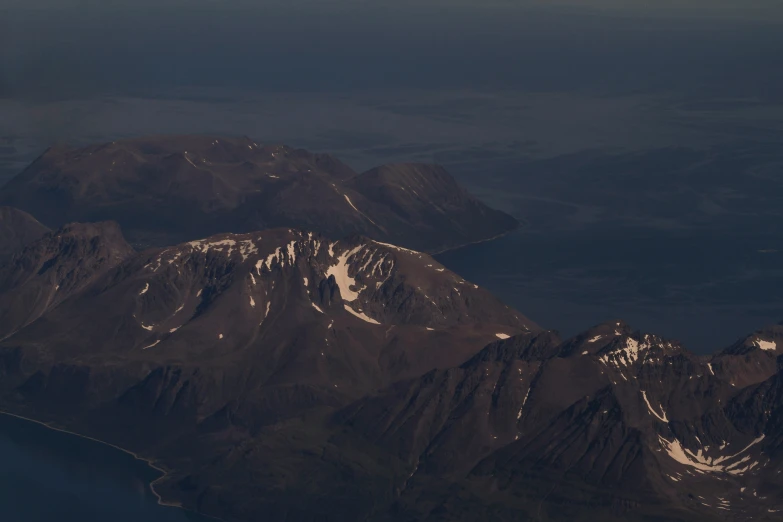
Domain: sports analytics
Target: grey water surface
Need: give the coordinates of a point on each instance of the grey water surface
(52, 476)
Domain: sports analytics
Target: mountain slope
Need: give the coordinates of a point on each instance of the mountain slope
(283, 312)
(427, 197)
(164, 190)
(17, 229)
(52, 269)
(284, 375)
(196, 348)
(614, 422)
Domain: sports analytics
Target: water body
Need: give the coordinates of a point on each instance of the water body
(52, 476)
(705, 291)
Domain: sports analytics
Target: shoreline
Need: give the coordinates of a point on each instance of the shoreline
(502, 234)
(148, 462)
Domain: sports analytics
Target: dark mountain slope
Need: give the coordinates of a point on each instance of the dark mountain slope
(268, 322)
(427, 197)
(752, 359)
(17, 229)
(447, 420)
(201, 349)
(610, 424)
(54, 268)
(286, 376)
(164, 190)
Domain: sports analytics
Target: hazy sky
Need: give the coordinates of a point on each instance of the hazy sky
(625, 5)
(351, 45)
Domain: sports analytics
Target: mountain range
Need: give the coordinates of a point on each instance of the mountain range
(285, 375)
(171, 189)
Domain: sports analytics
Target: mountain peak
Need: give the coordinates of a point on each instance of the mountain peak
(17, 229)
(769, 339)
(379, 282)
(56, 267)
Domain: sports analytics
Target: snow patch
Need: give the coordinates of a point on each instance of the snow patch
(661, 418)
(395, 247)
(360, 315)
(189, 160)
(522, 407)
(627, 355)
(266, 313)
(246, 248)
(317, 307)
(341, 277)
(766, 345)
(268, 261)
(378, 265)
(291, 251)
(502, 336)
(143, 290)
(151, 345)
(350, 203)
(365, 216)
(203, 246)
(701, 463)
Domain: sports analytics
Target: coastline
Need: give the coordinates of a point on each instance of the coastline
(148, 462)
(502, 234)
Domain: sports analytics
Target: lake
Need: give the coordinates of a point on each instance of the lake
(52, 476)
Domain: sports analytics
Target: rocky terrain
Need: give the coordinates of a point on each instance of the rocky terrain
(165, 190)
(286, 374)
(293, 354)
